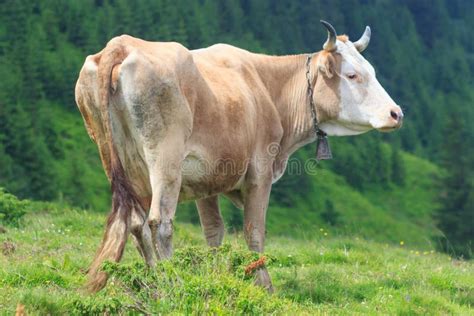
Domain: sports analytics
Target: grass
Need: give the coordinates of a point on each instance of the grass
(318, 274)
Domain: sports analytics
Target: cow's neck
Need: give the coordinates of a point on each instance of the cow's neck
(285, 80)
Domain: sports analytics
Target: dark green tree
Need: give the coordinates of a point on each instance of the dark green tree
(329, 214)
(397, 167)
(455, 215)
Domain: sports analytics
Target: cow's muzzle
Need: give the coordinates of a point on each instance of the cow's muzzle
(394, 120)
(397, 116)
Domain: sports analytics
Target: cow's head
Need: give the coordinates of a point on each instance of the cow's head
(347, 94)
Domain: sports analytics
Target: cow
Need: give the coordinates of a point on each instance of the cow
(173, 124)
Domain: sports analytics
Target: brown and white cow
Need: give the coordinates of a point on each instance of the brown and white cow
(173, 124)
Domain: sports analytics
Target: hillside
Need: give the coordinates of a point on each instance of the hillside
(43, 262)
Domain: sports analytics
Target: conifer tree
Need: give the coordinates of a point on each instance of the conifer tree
(329, 214)
(455, 215)
(397, 167)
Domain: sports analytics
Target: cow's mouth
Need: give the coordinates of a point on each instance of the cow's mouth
(389, 128)
(393, 126)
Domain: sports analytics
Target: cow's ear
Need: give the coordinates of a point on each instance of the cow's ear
(327, 64)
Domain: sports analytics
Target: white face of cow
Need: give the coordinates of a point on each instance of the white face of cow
(363, 102)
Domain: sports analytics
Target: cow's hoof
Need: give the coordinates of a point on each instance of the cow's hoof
(164, 239)
(97, 281)
(164, 249)
(262, 278)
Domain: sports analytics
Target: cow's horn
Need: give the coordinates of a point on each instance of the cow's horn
(363, 41)
(330, 44)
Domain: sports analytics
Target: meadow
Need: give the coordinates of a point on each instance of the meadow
(44, 260)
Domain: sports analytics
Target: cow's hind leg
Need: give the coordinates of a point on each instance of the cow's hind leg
(161, 116)
(165, 176)
(142, 235)
(211, 220)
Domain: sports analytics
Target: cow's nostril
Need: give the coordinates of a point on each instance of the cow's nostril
(394, 115)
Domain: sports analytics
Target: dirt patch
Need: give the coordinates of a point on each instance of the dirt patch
(20, 310)
(3, 230)
(8, 248)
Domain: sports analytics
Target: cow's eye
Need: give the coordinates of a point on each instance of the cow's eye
(352, 76)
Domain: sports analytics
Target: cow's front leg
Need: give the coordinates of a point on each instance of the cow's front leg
(255, 207)
(211, 220)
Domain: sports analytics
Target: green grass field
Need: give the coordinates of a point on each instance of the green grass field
(43, 263)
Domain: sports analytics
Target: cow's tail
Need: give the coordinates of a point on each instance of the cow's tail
(123, 195)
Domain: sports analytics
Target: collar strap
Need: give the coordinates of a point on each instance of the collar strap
(323, 151)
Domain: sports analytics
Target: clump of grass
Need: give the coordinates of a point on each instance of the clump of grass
(194, 279)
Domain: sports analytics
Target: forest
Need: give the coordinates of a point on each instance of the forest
(416, 184)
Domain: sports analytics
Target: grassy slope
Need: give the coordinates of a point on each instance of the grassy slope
(319, 274)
